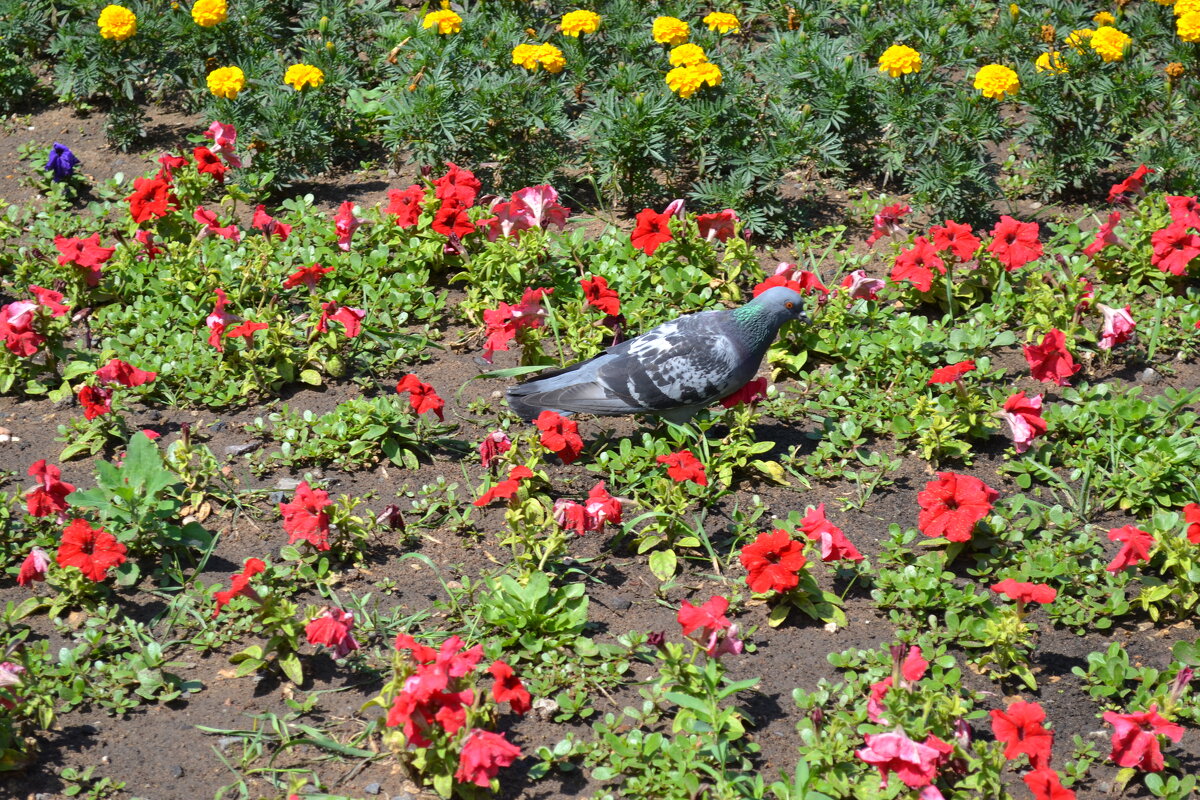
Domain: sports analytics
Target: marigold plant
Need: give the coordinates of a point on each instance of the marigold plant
(117, 23)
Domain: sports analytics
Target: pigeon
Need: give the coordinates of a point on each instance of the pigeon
(671, 371)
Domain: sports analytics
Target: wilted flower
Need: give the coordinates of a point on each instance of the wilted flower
(1133, 185)
(829, 537)
(224, 139)
(887, 222)
(900, 60)
(1024, 417)
(34, 567)
(422, 396)
(493, 445)
(861, 287)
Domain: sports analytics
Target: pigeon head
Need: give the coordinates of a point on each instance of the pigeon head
(779, 305)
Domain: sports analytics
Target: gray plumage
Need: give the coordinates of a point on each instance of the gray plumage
(671, 371)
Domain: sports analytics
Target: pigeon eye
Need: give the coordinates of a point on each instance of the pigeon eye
(790, 304)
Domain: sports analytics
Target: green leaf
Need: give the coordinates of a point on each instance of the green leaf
(311, 377)
(663, 564)
(689, 702)
(291, 666)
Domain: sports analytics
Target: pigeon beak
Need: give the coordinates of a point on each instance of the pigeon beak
(803, 317)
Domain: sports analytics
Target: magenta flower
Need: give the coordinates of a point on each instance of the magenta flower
(1118, 326)
(1024, 417)
(915, 763)
(345, 223)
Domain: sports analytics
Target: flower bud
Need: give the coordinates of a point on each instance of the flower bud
(817, 717)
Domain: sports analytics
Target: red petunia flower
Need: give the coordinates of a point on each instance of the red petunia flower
(652, 229)
(345, 224)
(1118, 326)
(719, 226)
(50, 494)
(224, 139)
(601, 507)
(305, 518)
(541, 207)
(1135, 548)
(1046, 785)
(1019, 727)
(1185, 210)
(683, 466)
(1191, 518)
(508, 688)
(149, 248)
(451, 219)
(505, 489)
(87, 254)
(1024, 417)
(887, 222)
(48, 298)
(598, 295)
(749, 394)
(1175, 247)
(96, 401)
(773, 562)
(1135, 738)
(239, 585)
(860, 286)
(1105, 236)
(560, 435)
(915, 763)
(1024, 592)
(34, 567)
(493, 446)
(704, 619)
(207, 163)
(1131, 187)
(246, 330)
(168, 163)
(916, 265)
(798, 280)
(209, 220)
(833, 542)
(1014, 243)
(93, 551)
(951, 373)
(332, 629)
(952, 505)
(308, 276)
(570, 516)
(351, 318)
(458, 185)
(482, 756)
(117, 371)
(956, 238)
(1051, 361)
(269, 225)
(406, 206)
(151, 198)
(421, 396)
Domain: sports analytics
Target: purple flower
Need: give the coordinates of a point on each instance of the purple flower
(62, 162)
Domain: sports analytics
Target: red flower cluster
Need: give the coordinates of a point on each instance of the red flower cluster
(456, 190)
(531, 207)
(708, 626)
(599, 507)
(916, 265)
(653, 229)
(305, 518)
(421, 396)
(239, 585)
(93, 551)
(307, 276)
(773, 562)
(96, 401)
(505, 322)
(1014, 243)
(332, 628)
(493, 446)
(907, 670)
(955, 238)
(1118, 326)
(598, 295)
(50, 495)
(1051, 361)
(833, 542)
(1135, 738)
(683, 466)
(506, 489)
(952, 505)
(951, 373)
(211, 227)
(794, 278)
(560, 435)
(1131, 187)
(86, 254)
(1135, 547)
(219, 320)
(1023, 592)
(18, 319)
(207, 163)
(916, 764)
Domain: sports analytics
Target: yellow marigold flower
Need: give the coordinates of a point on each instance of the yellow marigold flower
(207, 13)
(551, 58)
(1104, 18)
(1014, 11)
(226, 82)
(900, 60)
(117, 23)
(1188, 26)
(1051, 62)
(687, 55)
(577, 22)
(996, 81)
(300, 76)
(1110, 43)
(1174, 70)
(525, 55)
(720, 22)
(708, 73)
(445, 20)
(683, 81)
(669, 30)
(1079, 37)
(1186, 7)
(1048, 34)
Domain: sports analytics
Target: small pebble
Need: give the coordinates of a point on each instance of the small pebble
(177, 771)
(286, 484)
(1148, 376)
(275, 497)
(618, 602)
(240, 449)
(371, 788)
(219, 425)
